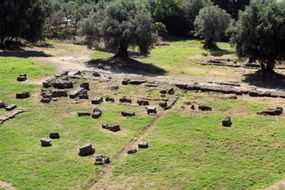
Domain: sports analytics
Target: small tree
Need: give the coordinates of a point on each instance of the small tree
(211, 24)
(260, 34)
(121, 24)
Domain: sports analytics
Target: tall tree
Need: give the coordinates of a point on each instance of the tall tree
(121, 24)
(260, 34)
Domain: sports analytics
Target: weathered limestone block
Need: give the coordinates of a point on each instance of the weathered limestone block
(22, 95)
(97, 113)
(113, 128)
(22, 77)
(143, 145)
(226, 122)
(272, 112)
(143, 102)
(45, 142)
(86, 150)
(124, 99)
(83, 113)
(97, 100)
(128, 113)
(102, 160)
(11, 107)
(54, 136)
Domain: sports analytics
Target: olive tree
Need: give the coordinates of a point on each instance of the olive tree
(260, 34)
(119, 25)
(211, 24)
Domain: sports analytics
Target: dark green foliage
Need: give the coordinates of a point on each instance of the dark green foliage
(232, 6)
(260, 34)
(192, 8)
(21, 19)
(171, 13)
(211, 24)
(118, 25)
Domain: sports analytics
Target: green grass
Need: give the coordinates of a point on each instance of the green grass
(27, 165)
(175, 58)
(193, 151)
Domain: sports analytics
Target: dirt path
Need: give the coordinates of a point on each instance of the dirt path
(7, 186)
(278, 186)
(65, 63)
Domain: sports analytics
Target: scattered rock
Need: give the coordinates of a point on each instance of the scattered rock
(79, 93)
(143, 102)
(143, 145)
(22, 77)
(132, 151)
(169, 91)
(124, 99)
(2, 104)
(97, 113)
(272, 112)
(110, 99)
(54, 136)
(226, 122)
(113, 128)
(62, 84)
(204, 108)
(22, 95)
(97, 100)
(45, 100)
(96, 74)
(125, 81)
(48, 83)
(163, 103)
(171, 103)
(58, 93)
(11, 107)
(85, 86)
(102, 160)
(128, 113)
(83, 113)
(45, 93)
(151, 111)
(45, 142)
(86, 150)
(137, 82)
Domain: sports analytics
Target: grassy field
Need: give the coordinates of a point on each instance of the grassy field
(28, 166)
(183, 58)
(188, 149)
(191, 150)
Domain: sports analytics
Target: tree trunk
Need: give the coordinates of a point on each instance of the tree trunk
(209, 44)
(268, 66)
(123, 51)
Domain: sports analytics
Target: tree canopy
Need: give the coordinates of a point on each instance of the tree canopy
(120, 24)
(211, 24)
(21, 19)
(260, 34)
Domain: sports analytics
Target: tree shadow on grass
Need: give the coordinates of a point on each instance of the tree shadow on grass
(274, 81)
(130, 66)
(22, 53)
(220, 52)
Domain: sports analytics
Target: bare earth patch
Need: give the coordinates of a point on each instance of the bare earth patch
(7, 186)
